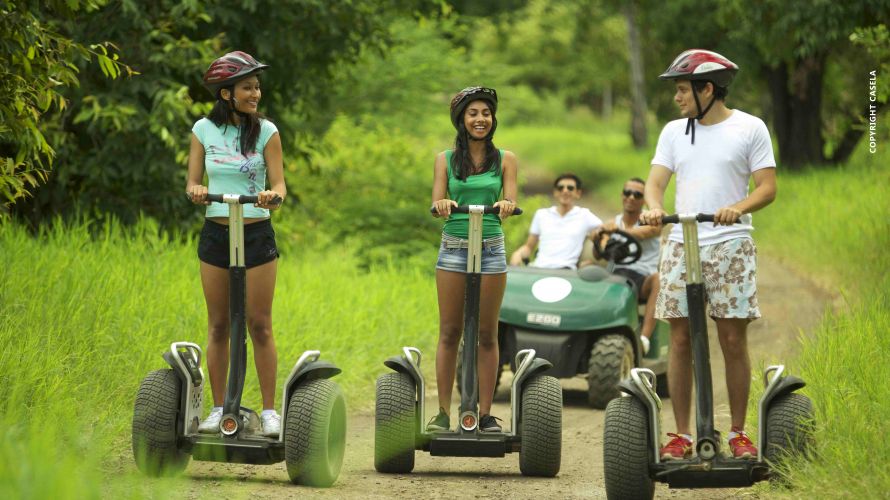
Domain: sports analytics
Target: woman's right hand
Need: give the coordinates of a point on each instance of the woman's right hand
(443, 207)
(198, 194)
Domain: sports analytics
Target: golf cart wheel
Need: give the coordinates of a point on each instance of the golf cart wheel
(626, 450)
(315, 433)
(789, 424)
(155, 415)
(459, 373)
(611, 360)
(395, 423)
(540, 427)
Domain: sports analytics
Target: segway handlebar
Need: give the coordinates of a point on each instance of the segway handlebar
(465, 209)
(239, 199)
(675, 218)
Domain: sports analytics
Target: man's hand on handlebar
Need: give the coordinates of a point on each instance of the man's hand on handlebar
(726, 216)
(652, 217)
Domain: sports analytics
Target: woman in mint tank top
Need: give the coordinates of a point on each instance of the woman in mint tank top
(239, 150)
(473, 173)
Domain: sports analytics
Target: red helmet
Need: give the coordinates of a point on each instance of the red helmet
(230, 68)
(468, 95)
(698, 64)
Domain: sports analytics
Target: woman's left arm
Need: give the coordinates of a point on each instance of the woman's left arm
(510, 166)
(274, 172)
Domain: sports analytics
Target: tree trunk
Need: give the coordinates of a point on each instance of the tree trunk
(797, 109)
(638, 97)
(607, 101)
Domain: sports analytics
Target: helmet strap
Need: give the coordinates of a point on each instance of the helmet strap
(690, 123)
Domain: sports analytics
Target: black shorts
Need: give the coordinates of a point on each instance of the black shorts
(259, 244)
(636, 279)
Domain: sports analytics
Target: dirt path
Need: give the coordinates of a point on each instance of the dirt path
(790, 305)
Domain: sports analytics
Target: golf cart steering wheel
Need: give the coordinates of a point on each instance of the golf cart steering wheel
(620, 248)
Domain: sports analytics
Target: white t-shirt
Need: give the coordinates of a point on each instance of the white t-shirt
(715, 171)
(648, 263)
(561, 237)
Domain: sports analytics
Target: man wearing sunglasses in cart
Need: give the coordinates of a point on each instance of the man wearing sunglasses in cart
(560, 229)
(644, 272)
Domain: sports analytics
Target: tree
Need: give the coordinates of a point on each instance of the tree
(38, 64)
(122, 146)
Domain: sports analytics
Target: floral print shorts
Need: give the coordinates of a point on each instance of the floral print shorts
(728, 270)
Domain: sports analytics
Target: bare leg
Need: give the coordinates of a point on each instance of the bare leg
(650, 291)
(680, 373)
(450, 287)
(260, 291)
(734, 343)
(215, 282)
(493, 286)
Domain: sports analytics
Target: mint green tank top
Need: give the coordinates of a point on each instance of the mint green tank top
(480, 189)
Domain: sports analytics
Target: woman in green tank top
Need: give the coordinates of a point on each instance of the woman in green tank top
(473, 173)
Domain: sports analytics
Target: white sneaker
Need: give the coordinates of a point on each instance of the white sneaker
(645, 342)
(211, 424)
(271, 423)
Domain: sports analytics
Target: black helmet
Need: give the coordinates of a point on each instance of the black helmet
(468, 95)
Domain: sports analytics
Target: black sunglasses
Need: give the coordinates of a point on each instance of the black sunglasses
(563, 187)
(632, 192)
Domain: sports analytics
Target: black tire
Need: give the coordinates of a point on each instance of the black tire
(395, 423)
(155, 416)
(540, 427)
(626, 450)
(789, 428)
(611, 359)
(315, 433)
(458, 374)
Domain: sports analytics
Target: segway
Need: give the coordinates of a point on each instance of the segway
(169, 402)
(632, 428)
(536, 400)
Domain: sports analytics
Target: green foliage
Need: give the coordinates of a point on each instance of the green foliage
(876, 41)
(366, 188)
(38, 63)
(123, 147)
(108, 301)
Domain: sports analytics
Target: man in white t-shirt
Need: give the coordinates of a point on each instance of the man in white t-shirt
(644, 272)
(560, 230)
(713, 165)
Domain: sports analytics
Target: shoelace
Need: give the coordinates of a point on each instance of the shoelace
(742, 440)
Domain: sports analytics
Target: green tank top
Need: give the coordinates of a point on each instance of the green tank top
(480, 189)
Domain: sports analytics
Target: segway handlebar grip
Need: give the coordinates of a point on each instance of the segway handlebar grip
(241, 199)
(489, 209)
(675, 219)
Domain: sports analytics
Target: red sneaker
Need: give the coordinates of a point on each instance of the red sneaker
(741, 445)
(677, 448)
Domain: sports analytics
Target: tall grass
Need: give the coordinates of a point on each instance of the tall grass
(85, 317)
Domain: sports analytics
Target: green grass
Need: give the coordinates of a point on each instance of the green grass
(84, 319)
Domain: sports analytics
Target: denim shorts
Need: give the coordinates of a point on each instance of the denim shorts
(494, 255)
(259, 244)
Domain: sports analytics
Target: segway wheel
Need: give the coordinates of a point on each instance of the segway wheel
(315, 433)
(155, 415)
(540, 427)
(395, 423)
(611, 360)
(626, 451)
(789, 429)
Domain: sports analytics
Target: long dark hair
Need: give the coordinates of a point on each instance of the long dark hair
(249, 123)
(461, 163)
